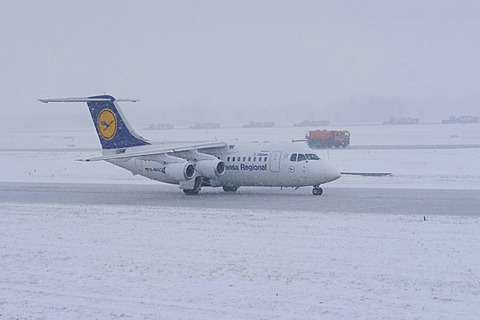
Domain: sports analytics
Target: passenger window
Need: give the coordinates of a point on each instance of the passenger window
(228, 158)
(243, 159)
(265, 159)
(254, 159)
(293, 157)
(301, 157)
(249, 159)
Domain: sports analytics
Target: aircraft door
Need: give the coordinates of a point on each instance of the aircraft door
(139, 164)
(275, 161)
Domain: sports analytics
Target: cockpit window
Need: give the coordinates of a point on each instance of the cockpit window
(303, 157)
(312, 156)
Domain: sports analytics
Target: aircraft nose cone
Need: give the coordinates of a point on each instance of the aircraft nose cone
(336, 175)
(332, 174)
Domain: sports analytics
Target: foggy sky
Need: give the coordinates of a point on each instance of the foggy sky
(237, 61)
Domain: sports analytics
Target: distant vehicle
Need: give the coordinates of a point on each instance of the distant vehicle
(405, 120)
(462, 119)
(205, 125)
(159, 126)
(328, 138)
(254, 124)
(312, 123)
(192, 166)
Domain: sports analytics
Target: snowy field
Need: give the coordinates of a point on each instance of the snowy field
(156, 262)
(110, 262)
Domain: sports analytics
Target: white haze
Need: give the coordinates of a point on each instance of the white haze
(232, 62)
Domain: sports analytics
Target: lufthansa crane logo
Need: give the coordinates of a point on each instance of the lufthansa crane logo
(107, 124)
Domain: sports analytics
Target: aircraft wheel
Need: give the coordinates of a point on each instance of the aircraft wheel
(192, 192)
(317, 191)
(230, 188)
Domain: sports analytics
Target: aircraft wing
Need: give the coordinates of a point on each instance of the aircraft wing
(156, 151)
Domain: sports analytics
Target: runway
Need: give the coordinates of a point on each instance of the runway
(334, 200)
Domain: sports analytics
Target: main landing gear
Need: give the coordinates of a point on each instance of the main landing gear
(196, 187)
(192, 192)
(196, 190)
(317, 191)
(230, 188)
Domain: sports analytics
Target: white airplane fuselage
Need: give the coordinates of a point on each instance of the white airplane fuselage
(264, 164)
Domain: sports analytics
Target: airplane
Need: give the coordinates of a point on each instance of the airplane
(229, 165)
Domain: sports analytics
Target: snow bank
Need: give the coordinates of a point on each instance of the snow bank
(108, 262)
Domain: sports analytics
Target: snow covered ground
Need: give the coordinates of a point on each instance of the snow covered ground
(109, 262)
(156, 262)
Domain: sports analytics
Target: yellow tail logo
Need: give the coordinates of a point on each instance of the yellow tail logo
(107, 124)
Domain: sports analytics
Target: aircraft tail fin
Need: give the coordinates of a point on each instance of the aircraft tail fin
(112, 127)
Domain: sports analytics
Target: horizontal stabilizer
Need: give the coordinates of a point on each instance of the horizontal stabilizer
(112, 127)
(85, 99)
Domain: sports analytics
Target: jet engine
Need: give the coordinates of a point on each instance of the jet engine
(180, 170)
(210, 168)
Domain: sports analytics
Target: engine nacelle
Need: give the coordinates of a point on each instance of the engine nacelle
(210, 168)
(180, 170)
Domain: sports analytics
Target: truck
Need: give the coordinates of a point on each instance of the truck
(462, 119)
(328, 138)
(401, 121)
(312, 123)
(205, 125)
(159, 126)
(254, 124)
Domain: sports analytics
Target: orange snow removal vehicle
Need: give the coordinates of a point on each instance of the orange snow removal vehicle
(328, 138)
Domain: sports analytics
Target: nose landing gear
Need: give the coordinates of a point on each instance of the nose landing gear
(230, 188)
(317, 191)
